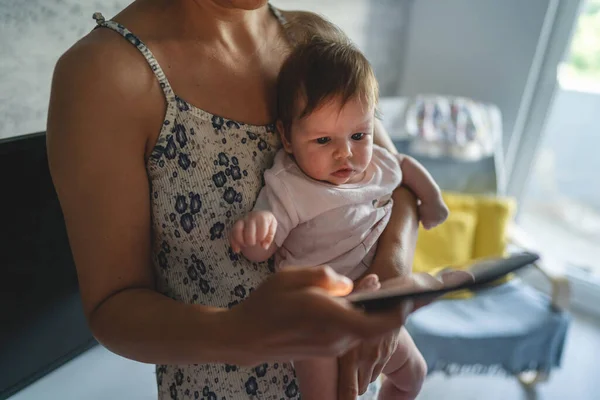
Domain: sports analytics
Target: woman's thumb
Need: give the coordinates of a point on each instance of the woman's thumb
(323, 277)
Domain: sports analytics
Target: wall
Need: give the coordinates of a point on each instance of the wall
(482, 49)
(377, 27)
(34, 33)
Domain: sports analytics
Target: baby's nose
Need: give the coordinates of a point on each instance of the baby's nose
(344, 151)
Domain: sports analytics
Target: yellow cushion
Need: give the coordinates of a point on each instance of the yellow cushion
(449, 244)
(476, 228)
(460, 202)
(493, 217)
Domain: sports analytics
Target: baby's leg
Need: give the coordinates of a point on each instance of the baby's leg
(317, 378)
(404, 372)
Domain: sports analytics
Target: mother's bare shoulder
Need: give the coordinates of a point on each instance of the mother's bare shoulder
(104, 79)
(106, 59)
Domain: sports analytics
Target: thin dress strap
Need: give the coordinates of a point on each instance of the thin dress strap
(284, 23)
(282, 20)
(134, 40)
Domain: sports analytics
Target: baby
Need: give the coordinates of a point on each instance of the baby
(327, 197)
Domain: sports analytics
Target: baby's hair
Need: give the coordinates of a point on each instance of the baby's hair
(320, 70)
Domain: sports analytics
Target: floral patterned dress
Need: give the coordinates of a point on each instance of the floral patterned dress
(205, 173)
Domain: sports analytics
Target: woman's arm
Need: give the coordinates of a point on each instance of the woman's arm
(101, 108)
(396, 247)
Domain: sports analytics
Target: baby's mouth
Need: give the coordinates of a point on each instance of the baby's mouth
(343, 172)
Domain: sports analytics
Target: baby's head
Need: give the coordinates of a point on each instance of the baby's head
(326, 99)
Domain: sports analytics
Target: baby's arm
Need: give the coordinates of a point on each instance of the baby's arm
(432, 211)
(254, 236)
(259, 234)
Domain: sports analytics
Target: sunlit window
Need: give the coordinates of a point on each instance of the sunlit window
(561, 208)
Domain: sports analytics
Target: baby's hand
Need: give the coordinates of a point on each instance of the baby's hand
(433, 213)
(369, 283)
(256, 229)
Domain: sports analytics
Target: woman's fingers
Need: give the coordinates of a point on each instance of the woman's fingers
(424, 281)
(369, 325)
(348, 376)
(366, 364)
(376, 372)
(418, 282)
(322, 277)
(309, 320)
(455, 277)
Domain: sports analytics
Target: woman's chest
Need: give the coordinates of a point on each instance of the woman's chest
(218, 161)
(240, 89)
(205, 174)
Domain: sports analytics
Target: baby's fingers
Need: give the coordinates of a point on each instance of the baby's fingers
(250, 232)
(368, 283)
(272, 228)
(237, 236)
(262, 230)
(265, 232)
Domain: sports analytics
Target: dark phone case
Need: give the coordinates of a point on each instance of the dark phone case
(485, 271)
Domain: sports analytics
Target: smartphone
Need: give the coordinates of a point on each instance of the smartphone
(484, 272)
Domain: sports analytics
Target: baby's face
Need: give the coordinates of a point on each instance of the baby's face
(332, 144)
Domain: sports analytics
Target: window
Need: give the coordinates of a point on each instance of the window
(581, 69)
(561, 205)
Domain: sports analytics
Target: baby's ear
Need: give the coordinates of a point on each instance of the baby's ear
(287, 146)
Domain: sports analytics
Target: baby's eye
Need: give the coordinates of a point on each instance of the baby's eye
(323, 140)
(358, 136)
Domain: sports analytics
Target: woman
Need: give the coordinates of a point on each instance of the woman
(155, 149)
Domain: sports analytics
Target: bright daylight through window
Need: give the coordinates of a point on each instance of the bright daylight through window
(561, 207)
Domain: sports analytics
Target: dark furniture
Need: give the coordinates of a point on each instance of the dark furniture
(41, 317)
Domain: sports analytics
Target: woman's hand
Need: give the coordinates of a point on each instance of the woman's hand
(295, 314)
(363, 364)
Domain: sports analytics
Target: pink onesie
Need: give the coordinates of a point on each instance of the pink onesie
(321, 223)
